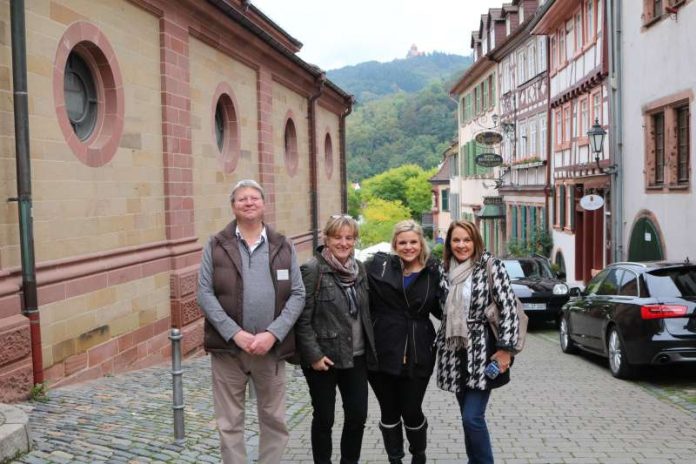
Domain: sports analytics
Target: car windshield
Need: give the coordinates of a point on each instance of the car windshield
(672, 282)
(526, 269)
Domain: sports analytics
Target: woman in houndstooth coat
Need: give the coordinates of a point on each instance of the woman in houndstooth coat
(465, 342)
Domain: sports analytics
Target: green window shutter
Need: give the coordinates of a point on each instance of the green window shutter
(492, 90)
(561, 209)
(486, 237)
(469, 106)
(542, 213)
(523, 223)
(445, 200)
(513, 223)
(571, 193)
(471, 156)
(533, 222)
(485, 94)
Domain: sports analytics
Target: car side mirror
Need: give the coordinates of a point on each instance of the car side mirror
(575, 292)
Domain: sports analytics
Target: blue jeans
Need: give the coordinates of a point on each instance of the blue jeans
(476, 438)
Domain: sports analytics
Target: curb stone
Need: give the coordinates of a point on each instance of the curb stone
(14, 432)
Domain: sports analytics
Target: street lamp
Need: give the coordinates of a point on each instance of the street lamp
(596, 135)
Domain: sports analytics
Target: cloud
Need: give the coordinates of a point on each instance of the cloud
(337, 33)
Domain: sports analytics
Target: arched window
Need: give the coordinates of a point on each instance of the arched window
(290, 142)
(328, 156)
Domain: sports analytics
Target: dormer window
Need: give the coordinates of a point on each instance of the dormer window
(521, 13)
(508, 26)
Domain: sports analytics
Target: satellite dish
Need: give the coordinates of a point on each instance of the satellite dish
(591, 202)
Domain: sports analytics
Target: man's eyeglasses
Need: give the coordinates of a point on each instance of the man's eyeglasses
(247, 200)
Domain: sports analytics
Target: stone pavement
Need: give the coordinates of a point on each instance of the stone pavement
(558, 409)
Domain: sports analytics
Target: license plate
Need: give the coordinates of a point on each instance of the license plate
(534, 306)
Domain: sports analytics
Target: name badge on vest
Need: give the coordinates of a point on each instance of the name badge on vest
(282, 274)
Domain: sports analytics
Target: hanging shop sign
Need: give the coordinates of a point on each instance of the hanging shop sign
(489, 160)
(489, 138)
(591, 202)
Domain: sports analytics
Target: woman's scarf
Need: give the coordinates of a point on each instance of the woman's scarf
(347, 275)
(457, 304)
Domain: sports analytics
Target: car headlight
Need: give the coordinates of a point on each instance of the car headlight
(560, 289)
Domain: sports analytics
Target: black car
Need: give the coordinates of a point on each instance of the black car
(541, 291)
(634, 314)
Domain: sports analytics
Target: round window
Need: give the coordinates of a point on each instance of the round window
(80, 96)
(88, 93)
(220, 125)
(225, 127)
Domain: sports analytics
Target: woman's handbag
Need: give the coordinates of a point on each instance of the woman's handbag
(492, 312)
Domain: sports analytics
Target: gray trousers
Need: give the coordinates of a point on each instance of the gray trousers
(230, 376)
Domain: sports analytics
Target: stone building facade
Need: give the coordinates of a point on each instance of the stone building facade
(142, 114)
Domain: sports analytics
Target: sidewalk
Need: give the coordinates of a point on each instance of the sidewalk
(558, 409)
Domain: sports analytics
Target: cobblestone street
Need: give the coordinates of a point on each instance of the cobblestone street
(558, 409)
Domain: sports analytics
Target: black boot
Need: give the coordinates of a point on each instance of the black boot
(393, 441)
(418, 440)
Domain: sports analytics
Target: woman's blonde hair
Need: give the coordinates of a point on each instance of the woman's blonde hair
(409, 225)
(338, 221)
(475, 236)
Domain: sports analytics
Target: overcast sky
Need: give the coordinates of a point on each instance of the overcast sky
(338, 33)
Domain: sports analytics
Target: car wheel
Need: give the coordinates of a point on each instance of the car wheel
(618, 363)
(567, 345)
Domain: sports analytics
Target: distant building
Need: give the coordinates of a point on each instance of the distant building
(441, 201)
(143, 114)
(471, 185)
(413, 52)
(523, 121)
(578, 66)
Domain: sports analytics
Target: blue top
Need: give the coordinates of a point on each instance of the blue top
(408, 279)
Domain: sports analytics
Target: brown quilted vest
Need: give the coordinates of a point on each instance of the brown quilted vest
(229, 286)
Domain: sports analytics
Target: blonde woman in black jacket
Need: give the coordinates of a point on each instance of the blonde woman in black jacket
(335, 340)
(405, 289)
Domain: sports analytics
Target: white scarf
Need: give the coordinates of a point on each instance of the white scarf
(457, 305)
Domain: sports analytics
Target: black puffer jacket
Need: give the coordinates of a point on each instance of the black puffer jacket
(325, 327)
(404, 334)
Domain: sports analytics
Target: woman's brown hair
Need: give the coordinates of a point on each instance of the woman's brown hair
(475, 236)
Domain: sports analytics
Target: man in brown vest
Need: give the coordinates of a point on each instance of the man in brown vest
(250, 289)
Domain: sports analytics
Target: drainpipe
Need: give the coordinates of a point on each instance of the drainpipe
(613, 8)
(26, 233)
(342, 141)
(312, 117)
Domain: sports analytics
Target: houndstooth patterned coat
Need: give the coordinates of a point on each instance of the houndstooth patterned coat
(464, 368)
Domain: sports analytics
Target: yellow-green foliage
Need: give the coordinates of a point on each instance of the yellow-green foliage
(380, 216)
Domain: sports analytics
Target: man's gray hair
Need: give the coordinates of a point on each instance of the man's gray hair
(247, 183)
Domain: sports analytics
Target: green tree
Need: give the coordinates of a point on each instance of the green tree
(419, 194)
(406, 184)
(391, 184)
(354, 202)
(379, 217)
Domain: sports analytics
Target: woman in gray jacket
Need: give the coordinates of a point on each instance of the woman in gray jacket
(335, 340)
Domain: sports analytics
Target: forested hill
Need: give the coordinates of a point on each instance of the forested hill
(405, 115)
(372, 79)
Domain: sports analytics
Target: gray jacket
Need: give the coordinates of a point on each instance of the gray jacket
(324, 328)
